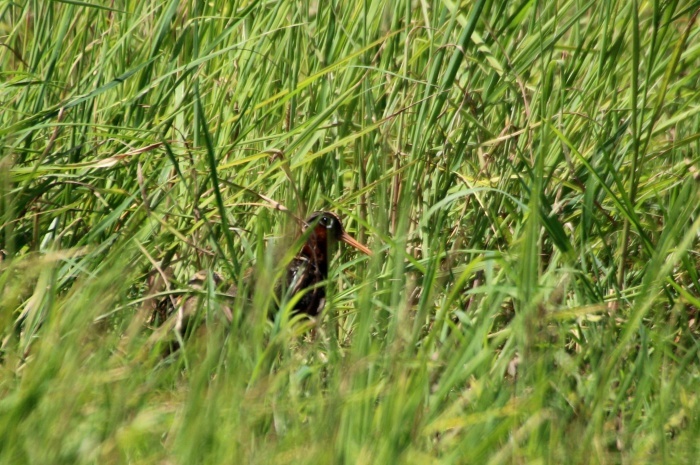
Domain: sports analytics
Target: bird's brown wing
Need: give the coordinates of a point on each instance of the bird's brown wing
(304, 276)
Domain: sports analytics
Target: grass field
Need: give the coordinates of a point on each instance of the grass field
(527, 174)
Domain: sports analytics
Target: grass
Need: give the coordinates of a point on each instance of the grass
(526, 173)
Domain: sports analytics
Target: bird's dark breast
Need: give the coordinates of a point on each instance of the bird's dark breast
(302, 275)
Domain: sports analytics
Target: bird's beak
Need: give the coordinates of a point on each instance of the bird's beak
(348, 239)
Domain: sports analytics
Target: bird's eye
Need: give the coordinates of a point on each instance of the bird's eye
(326, 221)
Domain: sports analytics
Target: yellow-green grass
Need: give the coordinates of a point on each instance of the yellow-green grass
(526, 173)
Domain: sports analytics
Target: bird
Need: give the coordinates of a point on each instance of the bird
(304, 275)
(310, 267)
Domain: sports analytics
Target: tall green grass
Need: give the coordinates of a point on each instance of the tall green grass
(526, 172)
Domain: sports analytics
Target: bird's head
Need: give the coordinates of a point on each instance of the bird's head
(328, 228)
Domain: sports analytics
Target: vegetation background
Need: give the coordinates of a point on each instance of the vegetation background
(526, 173)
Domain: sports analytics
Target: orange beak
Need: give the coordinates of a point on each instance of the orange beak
(348, 239)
